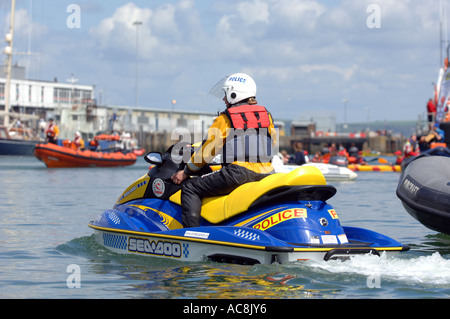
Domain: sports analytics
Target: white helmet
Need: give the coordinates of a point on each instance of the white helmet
(238, 87)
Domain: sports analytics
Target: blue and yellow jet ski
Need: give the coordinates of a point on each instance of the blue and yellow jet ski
(282, 218)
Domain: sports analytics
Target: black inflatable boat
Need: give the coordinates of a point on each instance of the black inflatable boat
(424, 189)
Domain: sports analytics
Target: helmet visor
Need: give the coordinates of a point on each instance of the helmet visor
(217, 90)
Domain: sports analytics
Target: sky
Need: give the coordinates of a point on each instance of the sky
(357, 60)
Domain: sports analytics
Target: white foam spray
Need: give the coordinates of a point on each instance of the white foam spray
(428, 270)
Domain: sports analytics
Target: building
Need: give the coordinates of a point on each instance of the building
(74, 108)
(72, 105)
(155, 126)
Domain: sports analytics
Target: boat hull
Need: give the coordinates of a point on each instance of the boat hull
(332, 173)
(335, 173)
(17, 147)
(233, 245)
(55, 156)
(424, 190)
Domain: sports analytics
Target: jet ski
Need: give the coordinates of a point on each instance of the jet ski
(283, 218)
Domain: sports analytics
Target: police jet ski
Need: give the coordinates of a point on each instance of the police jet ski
(282, 218)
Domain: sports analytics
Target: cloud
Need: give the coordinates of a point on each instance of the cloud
(281, 42)
(116, 35)
(254, 12)
(310, 52)
(26, 33)
(345, 73)
(24, 26)
(299, 15)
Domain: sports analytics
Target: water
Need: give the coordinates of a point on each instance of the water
(44, 234)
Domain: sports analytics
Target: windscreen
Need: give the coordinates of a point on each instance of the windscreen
(217, 90)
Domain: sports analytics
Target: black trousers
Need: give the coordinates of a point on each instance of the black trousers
(218, 183)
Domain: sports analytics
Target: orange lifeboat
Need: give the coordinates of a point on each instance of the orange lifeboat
(62, 156)
(107, 137)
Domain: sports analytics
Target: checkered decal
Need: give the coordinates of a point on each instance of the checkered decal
(246, 234)
(186, 250)
(141, 184)
(115, 241)
(114, 218)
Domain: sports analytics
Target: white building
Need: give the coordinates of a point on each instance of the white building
(74, 108)
(30, 101)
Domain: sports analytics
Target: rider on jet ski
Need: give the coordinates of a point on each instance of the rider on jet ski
(244, 135)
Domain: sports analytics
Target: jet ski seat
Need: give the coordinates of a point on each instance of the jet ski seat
(305, 178)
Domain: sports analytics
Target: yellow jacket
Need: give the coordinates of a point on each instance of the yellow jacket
(213, 144)
(79, 143)
(52, 130)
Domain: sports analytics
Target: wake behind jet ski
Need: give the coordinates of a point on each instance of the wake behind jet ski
(283, 218)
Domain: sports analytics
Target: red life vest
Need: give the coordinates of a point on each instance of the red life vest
(248, 116)
(77, 141)
(50, 131)
(249, 139)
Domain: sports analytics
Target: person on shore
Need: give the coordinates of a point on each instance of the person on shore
(431, 111)
(353, 150)
(243, 162)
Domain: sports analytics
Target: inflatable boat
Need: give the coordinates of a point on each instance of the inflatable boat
(424, 189)
(63, 156)
(374, 168)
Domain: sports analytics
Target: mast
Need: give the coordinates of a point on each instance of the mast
(443, 36)
(9, 53)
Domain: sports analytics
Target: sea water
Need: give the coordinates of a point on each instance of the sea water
(48, 251)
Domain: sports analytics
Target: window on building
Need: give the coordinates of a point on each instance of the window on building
(76, 96)
(2, 91)
(86, 96)
(61, 95)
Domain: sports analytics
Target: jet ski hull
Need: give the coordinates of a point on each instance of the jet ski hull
(288, 232)
(231, 245)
